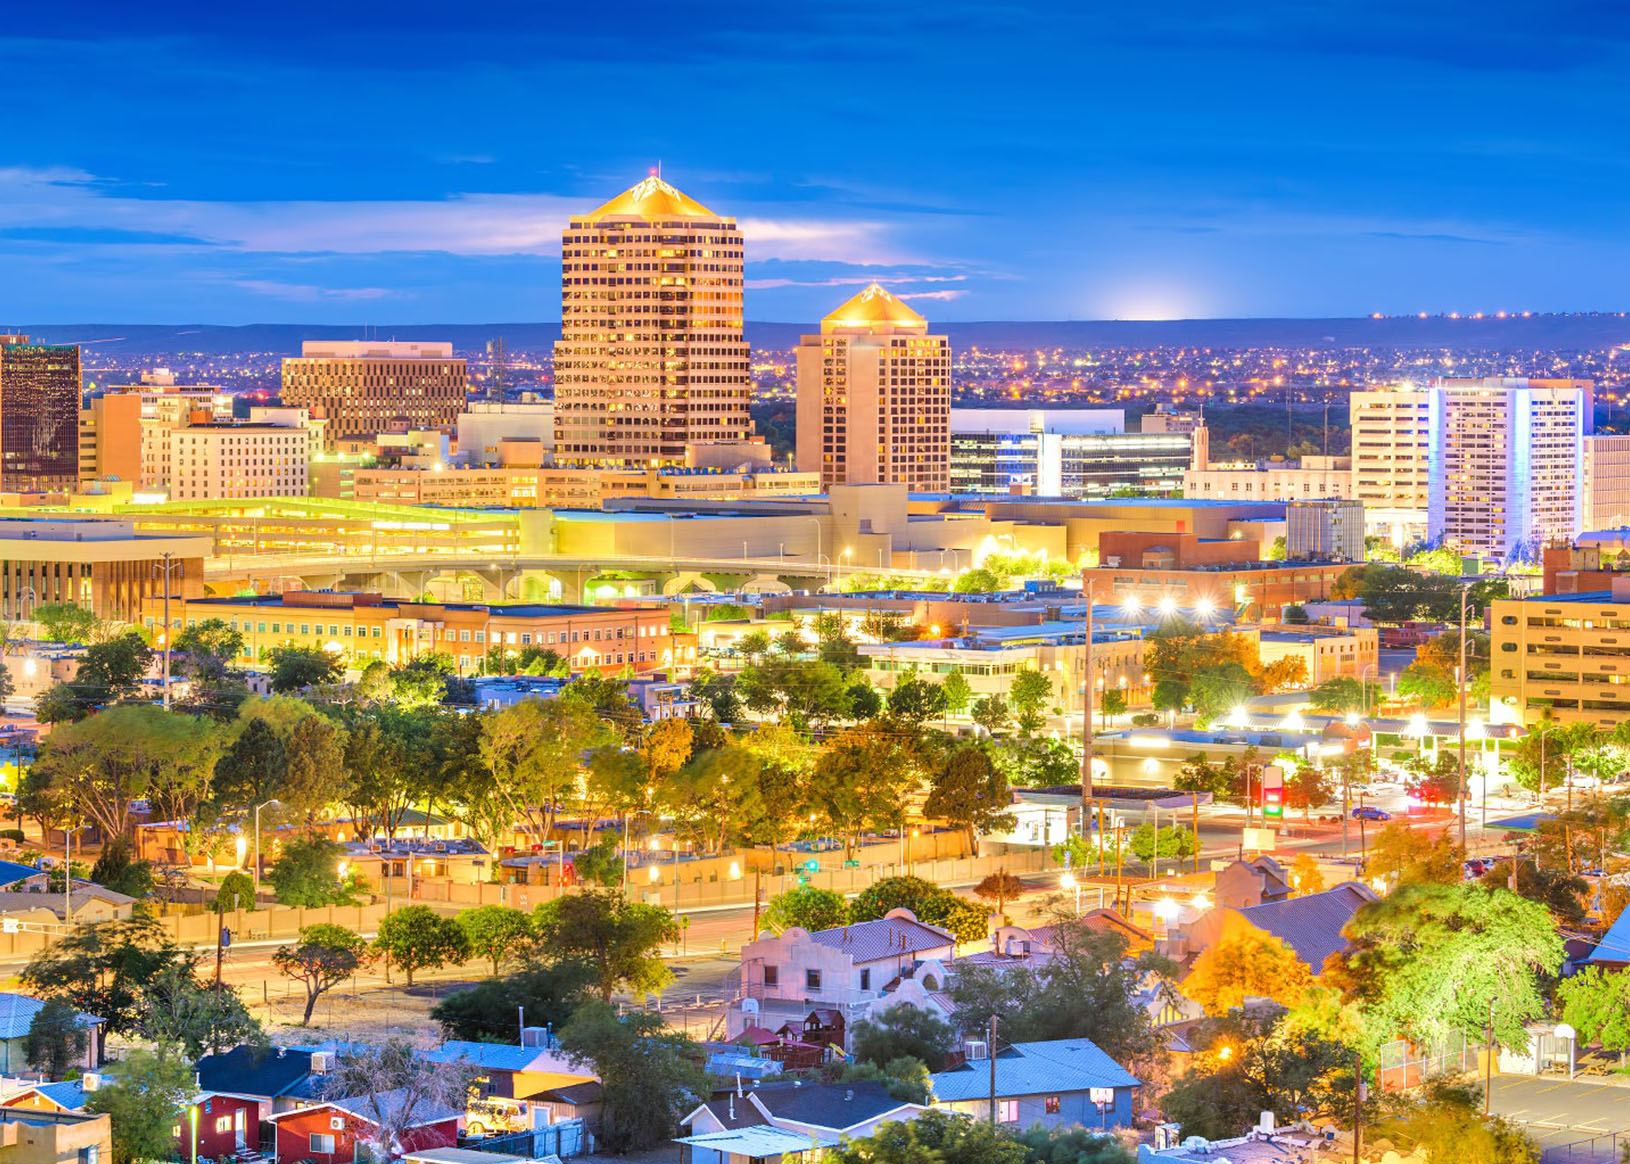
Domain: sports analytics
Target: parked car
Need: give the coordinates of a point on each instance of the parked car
(1370, 812)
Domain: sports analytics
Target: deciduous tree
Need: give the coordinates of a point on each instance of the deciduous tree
(807, 907)
(646, 1071)
(1250, 964)
(57, 1039)
(619, 938)
(325, 956)
(416, 937)
(295, 668)
(497, 933)
(141, 1096)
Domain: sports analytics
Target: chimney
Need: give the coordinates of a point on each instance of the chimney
(732, 1100)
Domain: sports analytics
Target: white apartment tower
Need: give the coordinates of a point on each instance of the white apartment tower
(874, 397)
(1509, 466)
(1493, 467)
(651, 356)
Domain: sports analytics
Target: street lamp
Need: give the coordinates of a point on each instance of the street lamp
(1068, 881)
(68, 873)
(258, 807)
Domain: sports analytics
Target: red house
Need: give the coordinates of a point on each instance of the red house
(237, 1091)
(338, 1131)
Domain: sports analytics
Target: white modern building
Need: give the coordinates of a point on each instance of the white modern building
(1306, 479)
(1064, 452)
(485, 428)
(1324, 530)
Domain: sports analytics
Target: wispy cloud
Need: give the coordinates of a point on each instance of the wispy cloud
(311, 293)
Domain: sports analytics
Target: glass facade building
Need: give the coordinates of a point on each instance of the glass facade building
(39, 416)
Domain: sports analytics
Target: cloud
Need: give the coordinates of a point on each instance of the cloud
(957, 294)
(98, 235)
(311, 293)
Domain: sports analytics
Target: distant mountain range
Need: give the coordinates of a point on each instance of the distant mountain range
(1558, 333)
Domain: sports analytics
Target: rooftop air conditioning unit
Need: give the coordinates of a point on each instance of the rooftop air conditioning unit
(977, 1049)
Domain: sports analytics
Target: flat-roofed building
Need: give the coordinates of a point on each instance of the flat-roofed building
(571, 488)
(1392, 438)
(874, 397)
(1328, 530)
(1063, 452)
(104, 566)
(371, 386)
(484, 428)
(39, 416)
(362, 627)
(217, 460)
(1562, 656)
(1303, 480)
(110, 438)
(1607, 482)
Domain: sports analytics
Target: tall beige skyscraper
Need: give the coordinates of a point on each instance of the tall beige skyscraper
(651, 357)
(874, 397)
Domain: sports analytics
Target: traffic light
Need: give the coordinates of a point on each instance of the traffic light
(1273, 802)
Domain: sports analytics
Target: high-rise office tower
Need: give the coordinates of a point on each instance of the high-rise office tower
(367, 386)
(1392, 460)
(874, 397)
(39, 416)
(651, 356)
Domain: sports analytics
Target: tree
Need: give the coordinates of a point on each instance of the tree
(1559, 891)
(295, 668)
(495, 932)
(1029, 692)
(1396, 594)
(617, 937)
(904, 1031)
(422, 680)
(1147, 842)
(958, 693)
(915, 700)
(807, 907)
(1429, 959)
(1058, 1145)
(1596, 1004)
(104, 968)
(976, 581)
(927, 901)
(200, 1017)
(1216, 691)
(547, 994)
(1445, 1121)
(117, 869)
(416, 937)
(67, 622)
(1305, 878)
(252, 770)
(395, 1088)
(127, 753)
(861, 781)
(1412, 856)
(1340, 695)
(1084, 990)
(1309, 786)
(1112, 702)
(308, 873)
(969, 792)
(991, 713)
(325, 956)
(1000, 887)
(141, 1096)
(1427, 686)
(601, 864)
(1251, 964)
(647, 1077)
(934, 1137)
(57, 1039)
(534, 750)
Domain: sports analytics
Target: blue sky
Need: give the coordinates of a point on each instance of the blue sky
(414, 162)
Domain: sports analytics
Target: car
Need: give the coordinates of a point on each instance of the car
(1370, 812)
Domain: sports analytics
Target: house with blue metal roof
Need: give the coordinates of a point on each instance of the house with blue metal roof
(17, 1012)
(1056, 1083)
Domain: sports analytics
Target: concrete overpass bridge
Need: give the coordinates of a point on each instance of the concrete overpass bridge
(471, 577)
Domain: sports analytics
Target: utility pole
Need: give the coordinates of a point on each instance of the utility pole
(164, 568)
(1465, 589)
(1358, 1102)
(1488, 1055)
(990, 1052)
(1086, 722)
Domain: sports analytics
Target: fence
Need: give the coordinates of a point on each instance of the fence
(1403, 1066)
(1603, 1149)
(568, 1138)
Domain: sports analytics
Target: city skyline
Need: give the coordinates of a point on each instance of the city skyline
(997, 161)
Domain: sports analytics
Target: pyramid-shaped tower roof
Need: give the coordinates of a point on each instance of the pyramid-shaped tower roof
(874, 306)
(653, 198)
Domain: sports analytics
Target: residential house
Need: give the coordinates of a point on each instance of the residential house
(67, 1095)
(20, 878)
(30, 1136)
(1253, 882)
(508, 1071)
(238, 1093)
(1309, 926)
(1056, 1083)
(90, 903)
(787, 1121)
(844, 969)
(17, 1012)
(574, 1101)
(1613, 951)
(339, 1131)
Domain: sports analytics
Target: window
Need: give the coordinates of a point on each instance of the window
(1052, 1105)
(812, 979)
(223, 1124)
(866, 979)
(772, 976)
(1007, 1111)
(89, 1154)
(325, 1144)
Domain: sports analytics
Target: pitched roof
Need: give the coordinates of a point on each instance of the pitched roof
(758, 1142)
(874, 305)
(69, 1094)
(1614, 948)
(574, 1093)
(837, 1106)
(1311, 925)
(493, 1056)
(12, 872)
(257, 1071)
(870, 940)
(652, 198)
(390, 1102)
(17, 1011)
(1044, 1068)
